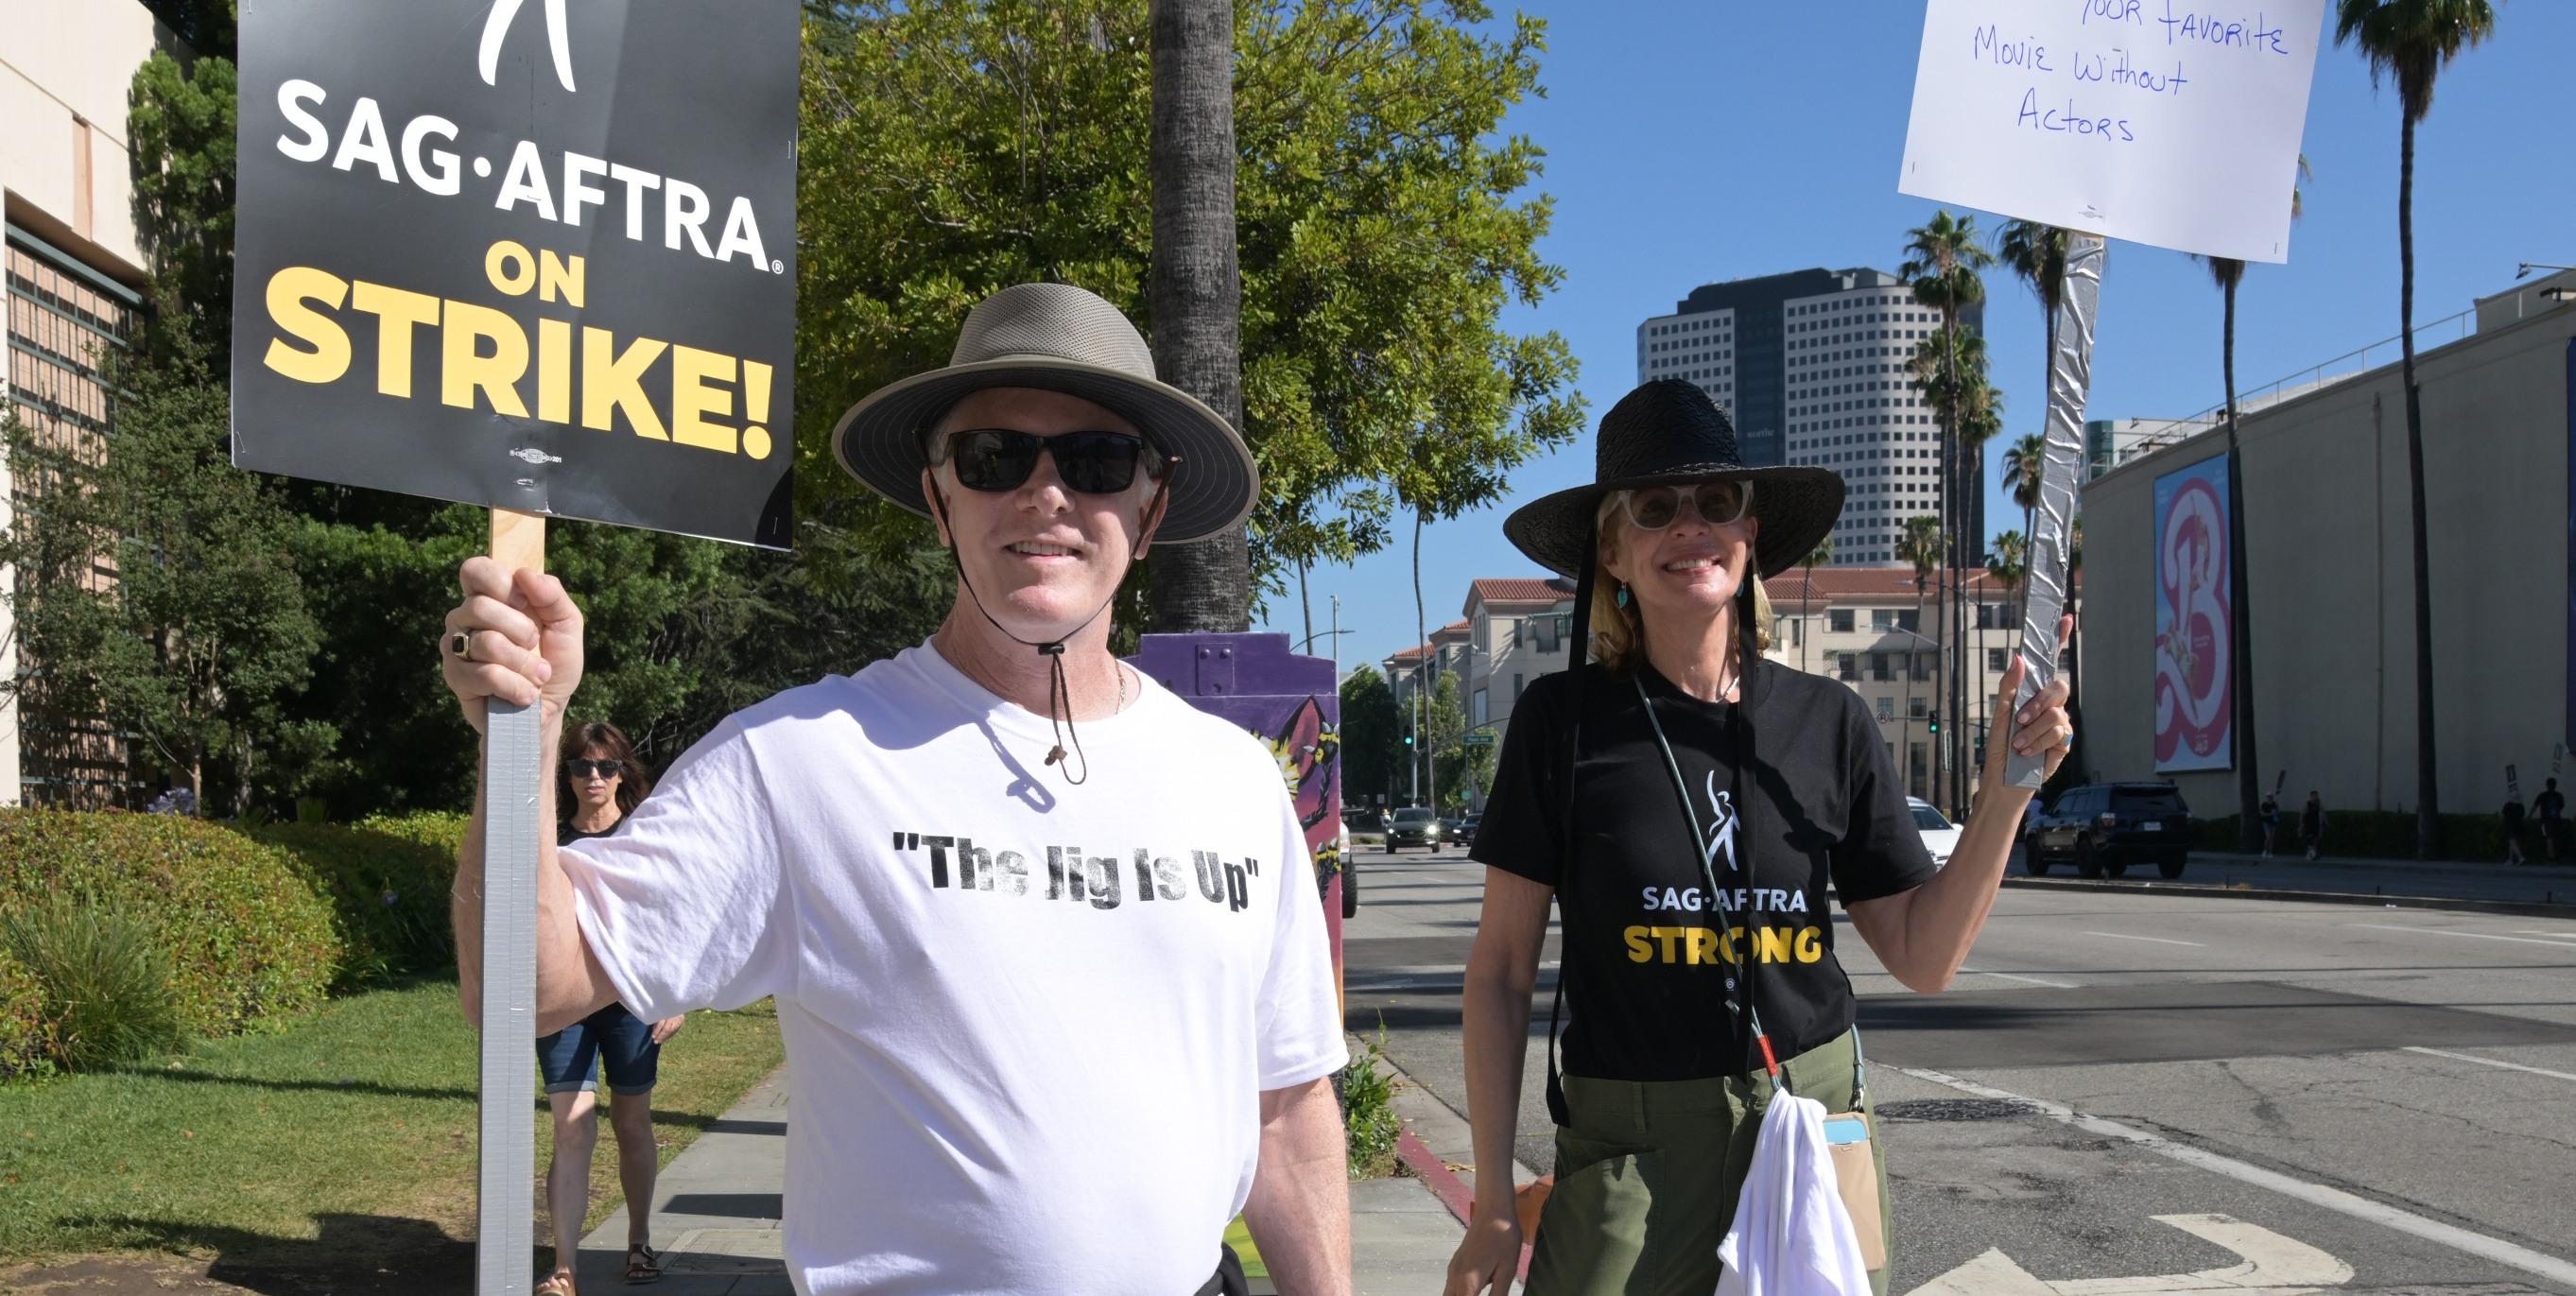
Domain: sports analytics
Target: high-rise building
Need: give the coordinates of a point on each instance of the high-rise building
(1811, 366)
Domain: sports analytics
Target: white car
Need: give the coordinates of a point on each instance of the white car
(1940, 836)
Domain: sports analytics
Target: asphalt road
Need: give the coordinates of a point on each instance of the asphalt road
(2155, 1086)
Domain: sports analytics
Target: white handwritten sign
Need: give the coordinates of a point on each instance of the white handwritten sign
(2169, 122)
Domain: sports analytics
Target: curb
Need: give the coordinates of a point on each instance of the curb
(2510, 908)
(1418, 1112)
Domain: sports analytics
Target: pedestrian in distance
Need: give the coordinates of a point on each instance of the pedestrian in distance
(1718, 794)
(2312, 824)
(597, 788)
(2551, 809)
(2513, 815)
(1045, 940)
(2271, 823)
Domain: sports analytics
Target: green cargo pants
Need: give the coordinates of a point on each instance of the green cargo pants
(1648, 1175)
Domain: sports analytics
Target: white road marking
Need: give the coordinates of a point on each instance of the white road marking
(2014, 976)
(2157, 939)
(2522, 931)
(2495, 1250)
(2445, 931)
(2273, 1266)
(2493, 1062)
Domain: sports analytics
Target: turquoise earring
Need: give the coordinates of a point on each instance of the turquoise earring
(1620, 598)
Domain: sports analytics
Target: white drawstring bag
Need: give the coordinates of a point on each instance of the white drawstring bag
(1792, 1235)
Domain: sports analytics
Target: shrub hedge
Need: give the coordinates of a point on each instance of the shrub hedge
(387, 883)
(246, 936)
(26, 1039)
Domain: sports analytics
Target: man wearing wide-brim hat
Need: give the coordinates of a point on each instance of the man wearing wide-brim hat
(1693, 811)
(1045, 941)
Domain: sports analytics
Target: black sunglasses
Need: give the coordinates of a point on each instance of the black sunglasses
(603, 768)
(1001, 459)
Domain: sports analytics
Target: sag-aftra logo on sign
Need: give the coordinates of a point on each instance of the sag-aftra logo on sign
(548, 270)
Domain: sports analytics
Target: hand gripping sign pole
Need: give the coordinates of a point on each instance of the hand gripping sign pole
(2070, 376)
(505, 1226)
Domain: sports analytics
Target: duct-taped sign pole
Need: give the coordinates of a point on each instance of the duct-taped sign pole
(539, 258)
(506, 1150)
(2045, 591)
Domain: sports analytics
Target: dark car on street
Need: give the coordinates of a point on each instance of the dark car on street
(1415, 826)
(2103, 828)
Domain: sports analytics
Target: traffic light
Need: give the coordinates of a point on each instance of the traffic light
(1936, 722)
(1408, 737)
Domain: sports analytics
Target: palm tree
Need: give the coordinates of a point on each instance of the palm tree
(2229, 272)
(2414, 39)
(1919, 544)
(2008, 565)
(2036, 255)
(1194, 285)
(1942, 258)
(1821, 555)
(2024, 461)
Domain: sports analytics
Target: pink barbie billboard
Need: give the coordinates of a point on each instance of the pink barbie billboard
(2194, 691)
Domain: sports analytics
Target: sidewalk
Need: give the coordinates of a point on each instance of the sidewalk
(2564, 871)
(715, 1218)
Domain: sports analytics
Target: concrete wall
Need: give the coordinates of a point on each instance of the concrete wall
(65, 69)
(2331, 582)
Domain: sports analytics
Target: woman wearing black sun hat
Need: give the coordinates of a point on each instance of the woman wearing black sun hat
(1686, 804)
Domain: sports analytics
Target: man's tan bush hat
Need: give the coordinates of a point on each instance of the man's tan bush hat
(1056, 337)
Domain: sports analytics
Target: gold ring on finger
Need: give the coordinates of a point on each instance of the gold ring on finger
(460, 645)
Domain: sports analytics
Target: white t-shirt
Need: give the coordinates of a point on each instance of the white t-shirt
(1027, 1023)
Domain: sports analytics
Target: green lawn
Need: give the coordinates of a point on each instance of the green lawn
(343, 1144)
(1240, 1238)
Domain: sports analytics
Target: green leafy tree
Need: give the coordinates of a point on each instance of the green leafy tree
(1372, 736)
(1444, 720)
(2414, 40)
(154, 591)
(181, 125)
(952, 148)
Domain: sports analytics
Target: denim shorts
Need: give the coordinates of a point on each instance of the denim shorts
(571, 1058)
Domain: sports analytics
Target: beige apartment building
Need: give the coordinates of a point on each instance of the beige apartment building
(74, 278)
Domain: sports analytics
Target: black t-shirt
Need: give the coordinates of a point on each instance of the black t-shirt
(2513, 816)
(2549, 805)
(1647, 960)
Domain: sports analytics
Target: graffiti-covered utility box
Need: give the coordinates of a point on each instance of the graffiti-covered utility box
(1291, 704)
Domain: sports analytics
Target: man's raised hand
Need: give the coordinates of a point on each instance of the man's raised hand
(521, 640)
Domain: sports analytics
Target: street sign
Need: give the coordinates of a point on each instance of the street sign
(1476, 738)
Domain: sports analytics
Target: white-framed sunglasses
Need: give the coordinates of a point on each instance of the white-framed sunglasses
(1652, 508)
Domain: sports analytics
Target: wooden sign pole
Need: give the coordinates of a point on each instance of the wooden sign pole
(505, 1211)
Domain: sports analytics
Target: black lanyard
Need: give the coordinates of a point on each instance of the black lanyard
(1700, 843)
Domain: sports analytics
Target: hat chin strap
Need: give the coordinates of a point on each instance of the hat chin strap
(1059, 689)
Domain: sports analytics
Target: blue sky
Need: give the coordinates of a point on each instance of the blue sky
(1692, 140)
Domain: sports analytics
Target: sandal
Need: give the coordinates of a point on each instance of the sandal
(554, 1285)
(643, 1264)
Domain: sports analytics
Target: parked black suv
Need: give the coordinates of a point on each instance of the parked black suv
(2103, 828)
